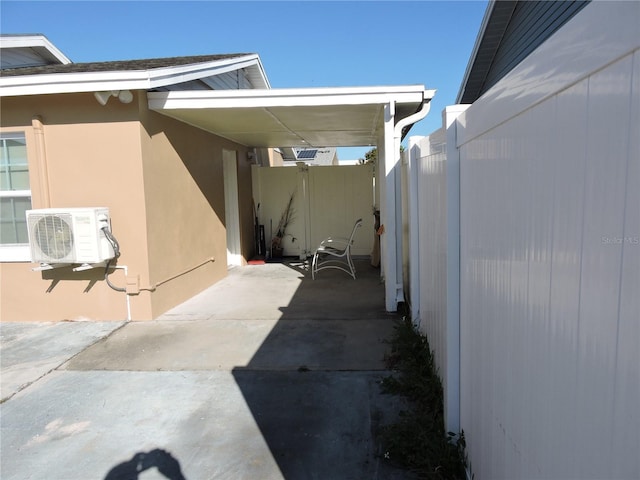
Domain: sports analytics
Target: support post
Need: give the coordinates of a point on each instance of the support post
(388, 238)
(452, 393)
(414, 231)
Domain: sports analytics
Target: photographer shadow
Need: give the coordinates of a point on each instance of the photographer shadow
(166, 464)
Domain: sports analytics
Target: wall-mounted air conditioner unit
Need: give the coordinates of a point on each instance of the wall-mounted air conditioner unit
(69, 235)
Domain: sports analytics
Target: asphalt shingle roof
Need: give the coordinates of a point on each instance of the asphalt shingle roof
(123, 65)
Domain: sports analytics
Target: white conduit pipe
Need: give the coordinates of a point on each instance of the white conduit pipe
(152, 288)
(124, 267)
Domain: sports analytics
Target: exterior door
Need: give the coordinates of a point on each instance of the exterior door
(231, 210)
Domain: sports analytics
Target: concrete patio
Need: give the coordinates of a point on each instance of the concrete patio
(268, 374)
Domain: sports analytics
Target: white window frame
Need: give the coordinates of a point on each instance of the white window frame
(18, 252)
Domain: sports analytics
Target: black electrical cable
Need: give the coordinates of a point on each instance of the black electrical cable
(116, 250)
(106, 278)
(112, 240)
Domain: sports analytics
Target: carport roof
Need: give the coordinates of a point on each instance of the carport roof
(254, 117)
(345, 116)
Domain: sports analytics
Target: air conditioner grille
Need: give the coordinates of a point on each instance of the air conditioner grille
(54, 235)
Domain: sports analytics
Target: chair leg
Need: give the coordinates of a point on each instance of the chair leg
(314, 265)
(341, 262)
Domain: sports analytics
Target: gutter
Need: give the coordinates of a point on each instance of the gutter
(416, 117)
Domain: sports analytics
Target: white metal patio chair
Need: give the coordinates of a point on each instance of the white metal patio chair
(335, 252)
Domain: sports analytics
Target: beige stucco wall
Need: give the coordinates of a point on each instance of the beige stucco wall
(270, 157)
(184, 196)
(162, 181)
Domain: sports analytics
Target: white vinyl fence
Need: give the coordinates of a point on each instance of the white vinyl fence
(549, 255)
(434, 209)
(433, 269)
(429, 305)
(327, 201)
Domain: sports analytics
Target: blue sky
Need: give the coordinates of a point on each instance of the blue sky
(300, 43)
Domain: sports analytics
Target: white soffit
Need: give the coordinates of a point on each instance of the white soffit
(347, 116)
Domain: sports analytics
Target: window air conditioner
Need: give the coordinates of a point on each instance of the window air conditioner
(69, 235)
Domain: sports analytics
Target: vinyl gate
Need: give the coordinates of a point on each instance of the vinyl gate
(327, 201)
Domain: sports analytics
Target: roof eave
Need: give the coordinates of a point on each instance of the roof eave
(289, 97)
(310, 117)
(126, 80)
(476, 47)
(36, 41)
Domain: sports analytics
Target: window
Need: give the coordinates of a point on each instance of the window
(15, 197)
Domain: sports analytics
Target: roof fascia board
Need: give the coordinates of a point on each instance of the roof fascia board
(288, 97)
(119, 80)
(161, 77)
(315, 91)
(262, 73)
(73, 83)
(34, 41)
(258, 68)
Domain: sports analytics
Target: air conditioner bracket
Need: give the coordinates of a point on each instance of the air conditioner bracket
(49, 266)
(89, 266)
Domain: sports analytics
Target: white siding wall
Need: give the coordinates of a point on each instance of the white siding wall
(550, 258)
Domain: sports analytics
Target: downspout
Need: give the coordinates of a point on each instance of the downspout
(41, 154)
(416, 117)
(397, 139)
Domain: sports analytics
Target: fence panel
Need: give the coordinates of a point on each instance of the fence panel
(550, 253)
(433, 254)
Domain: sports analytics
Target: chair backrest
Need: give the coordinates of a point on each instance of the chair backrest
(357, 225)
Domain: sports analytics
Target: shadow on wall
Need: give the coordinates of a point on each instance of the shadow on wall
(199, 152)
(185, 189)
(66, 274)
(162, 460)
(313, 385)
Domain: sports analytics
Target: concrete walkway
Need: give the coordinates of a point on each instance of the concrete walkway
(266, 375)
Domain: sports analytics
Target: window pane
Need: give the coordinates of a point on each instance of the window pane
(17, 150)
(22, 204)
(14, 175)
(14, 172)
(13, 221)
(19, 178)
